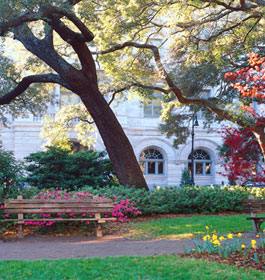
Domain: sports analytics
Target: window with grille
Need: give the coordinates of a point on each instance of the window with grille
(202, 162)
(152, 162)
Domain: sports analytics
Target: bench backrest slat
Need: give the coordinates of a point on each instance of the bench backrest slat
(254, 205)
(59, 205)
(35, 206)
(39, 201)
(59, 210)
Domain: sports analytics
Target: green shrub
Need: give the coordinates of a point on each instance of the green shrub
(185, 178)
(62, 169)
(182, 199)
(11, 179)
(11, 171)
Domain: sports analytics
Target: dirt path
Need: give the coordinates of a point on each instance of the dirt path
(82, 247)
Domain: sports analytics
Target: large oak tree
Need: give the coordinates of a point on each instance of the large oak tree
(141, 45)
(34, 24)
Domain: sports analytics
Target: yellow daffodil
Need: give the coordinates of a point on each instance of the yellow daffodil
(257, 235)
(206, 237)
(222, 238)
(216, 243)
(253, 243)
(230, 236)
(239, 234)
(207, 227)
(214, 237)
(243, 246)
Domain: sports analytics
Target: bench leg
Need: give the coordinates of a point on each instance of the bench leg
(99, 230)
(255, 228)
(20, 231)
(258, 223)
(20, 220)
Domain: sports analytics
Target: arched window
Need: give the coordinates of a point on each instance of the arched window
(152, 162)
(202, 162)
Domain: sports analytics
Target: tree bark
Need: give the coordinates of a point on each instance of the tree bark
(115, 140)
(84, 83)
(260, 136)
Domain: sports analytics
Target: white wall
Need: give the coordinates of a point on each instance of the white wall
(23, 137)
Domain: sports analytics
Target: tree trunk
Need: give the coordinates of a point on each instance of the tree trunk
(260, 136)
(116, 142)
(84, 83)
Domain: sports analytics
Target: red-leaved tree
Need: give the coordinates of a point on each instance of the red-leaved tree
(241, 156)
(250, 84)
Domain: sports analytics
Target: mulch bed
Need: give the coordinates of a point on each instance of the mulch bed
(64, 229)
(237, 259)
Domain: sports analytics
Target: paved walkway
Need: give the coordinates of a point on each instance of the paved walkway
(82, 247)
(49, 247)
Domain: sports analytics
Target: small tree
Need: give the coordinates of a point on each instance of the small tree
(185, 178)
(62, 169)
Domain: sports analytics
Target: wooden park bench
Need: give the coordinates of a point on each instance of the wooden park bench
(20, 206)
(254, 206)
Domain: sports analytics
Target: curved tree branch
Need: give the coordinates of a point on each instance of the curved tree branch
(76, 40)
(29, 16)
(165, 91)
(176, 90)
(27, 81)
(258, 17)
(26, 17)
(223, 13)
(243, 6)
(85, 36)
(43, 50)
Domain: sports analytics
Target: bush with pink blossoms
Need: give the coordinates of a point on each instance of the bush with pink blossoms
(124, 206)
(121, 207)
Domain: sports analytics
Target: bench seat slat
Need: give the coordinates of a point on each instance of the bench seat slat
(59, 210)
(62, 220)
(58, 205)
(254, 210)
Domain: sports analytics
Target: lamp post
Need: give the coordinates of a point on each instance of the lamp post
(195, 123)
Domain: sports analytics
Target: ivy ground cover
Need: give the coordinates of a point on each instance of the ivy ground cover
(156, 267)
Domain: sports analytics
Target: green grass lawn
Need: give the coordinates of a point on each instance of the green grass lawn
(136, 268)
(189, 227)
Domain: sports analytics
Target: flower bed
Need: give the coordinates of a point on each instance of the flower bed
(231, 249)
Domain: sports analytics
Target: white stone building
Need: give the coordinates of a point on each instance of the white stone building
(162, 164)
